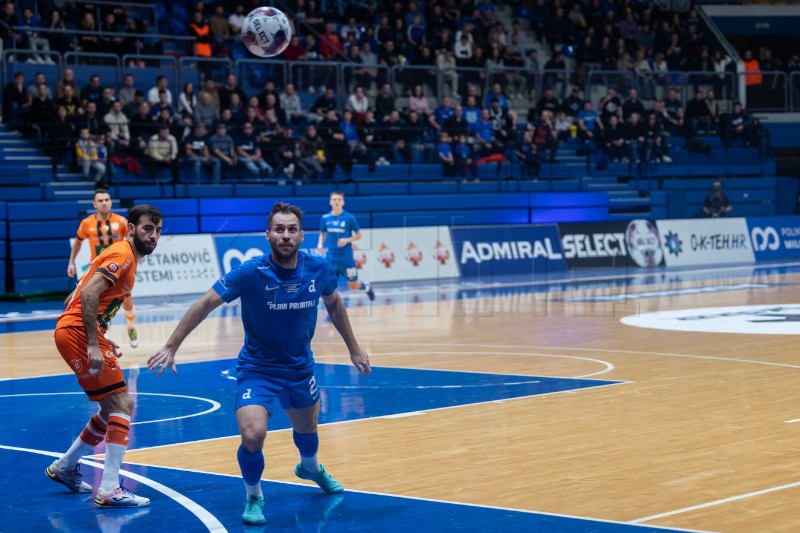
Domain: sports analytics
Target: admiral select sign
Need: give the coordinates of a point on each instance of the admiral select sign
(611, 244)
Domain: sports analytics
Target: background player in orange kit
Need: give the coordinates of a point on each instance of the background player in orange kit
(103, 229)
(80, 341)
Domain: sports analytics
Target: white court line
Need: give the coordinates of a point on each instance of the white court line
(419, 498)
(214, 404)
(544, 395)
(717, 502)
(208, 519)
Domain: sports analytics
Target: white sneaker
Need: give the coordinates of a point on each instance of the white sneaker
(119, 497)
(71, 479)
(133, 338)
(666, 159)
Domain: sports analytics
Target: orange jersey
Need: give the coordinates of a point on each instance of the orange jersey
(117, 264)
(102, 234)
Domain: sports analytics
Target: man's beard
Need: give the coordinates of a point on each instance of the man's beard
(141, 246)
(284, 253)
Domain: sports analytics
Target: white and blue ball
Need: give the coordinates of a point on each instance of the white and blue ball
(266, 31)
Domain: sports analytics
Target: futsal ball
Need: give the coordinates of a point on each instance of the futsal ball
(266, 31)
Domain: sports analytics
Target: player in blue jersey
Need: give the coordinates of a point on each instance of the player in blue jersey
(279, 295)
(338, 230)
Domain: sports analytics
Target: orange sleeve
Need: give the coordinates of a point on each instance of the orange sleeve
(83, 231)
(114, 266)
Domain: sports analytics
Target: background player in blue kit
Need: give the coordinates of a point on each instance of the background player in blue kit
(279, 295)
(338, 230)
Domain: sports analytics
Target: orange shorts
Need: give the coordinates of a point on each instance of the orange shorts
(71, 344)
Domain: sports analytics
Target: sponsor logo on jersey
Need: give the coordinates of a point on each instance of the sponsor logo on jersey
(113, 268)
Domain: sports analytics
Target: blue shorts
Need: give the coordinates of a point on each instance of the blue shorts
(342, 268)
(294, 390)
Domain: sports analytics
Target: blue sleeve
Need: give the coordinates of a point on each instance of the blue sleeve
(354, 228)
(322, 227)
(331, 282)
(228, 286)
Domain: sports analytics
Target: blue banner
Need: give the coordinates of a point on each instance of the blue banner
(492, 250)
(775, 237)
(235, 249)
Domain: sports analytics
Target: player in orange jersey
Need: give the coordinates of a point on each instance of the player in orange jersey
(81, 342)
(103, 229)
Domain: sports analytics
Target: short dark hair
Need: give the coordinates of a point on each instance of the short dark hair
(136, 213)
(286, 209)
(101, 191)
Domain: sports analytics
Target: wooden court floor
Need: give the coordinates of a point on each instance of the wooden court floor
(697, 435)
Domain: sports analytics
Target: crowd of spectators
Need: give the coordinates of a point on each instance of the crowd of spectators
(217, 129)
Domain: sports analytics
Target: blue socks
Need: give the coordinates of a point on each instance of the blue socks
(251, 465)
(308, 446)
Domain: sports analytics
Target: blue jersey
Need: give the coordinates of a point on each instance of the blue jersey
(279, 310)
(338, 227)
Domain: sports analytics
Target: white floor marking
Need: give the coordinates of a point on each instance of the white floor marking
(208, 520)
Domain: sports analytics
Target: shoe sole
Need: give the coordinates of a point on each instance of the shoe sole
(334, 491)
(257, 522)
(57, 479)
(104, 504)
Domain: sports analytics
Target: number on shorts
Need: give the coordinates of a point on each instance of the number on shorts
(312, 386)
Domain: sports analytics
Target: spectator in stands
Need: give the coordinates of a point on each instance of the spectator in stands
(153, 95)
(210, 87)
(444, 154)
(236, 21)
(442, 112)
(118, 131)
(60, 136)
(32, 39)
(127, 92)
(609, 105)
(187, 100)
(463, 49)
(220, 29)
(613, 142)
(60, 41)
(197, 153)
(68, 79)
(131, 108)
(88, 41)
(106, 100)
(528, 155)
(368, 58)
(358, 104)
(418, 102)
(393, 138)
(248, 152)
(107, 43)
(8, 19)
(282, 155)
(588, 119)
(472, 113)
(752, 78)
(737, 124)
(384, 104)
(201, 31)
(416, 137)
(446, 64)
(673, 109)
(632, 105)
(71, 103)
(544, 135)
(92, 92)
(142, 128)
(548, 102)
(714, 112)
(352, 136)
(86, 157)
(716, 204)
(634, 130)
(162, 152)
(231, 86)
(42, 110)
(561, 125)
(573, 105)
(205, 111)
(464, 158)
(237, 110)
(654, 144)
(172, 121)
(91, 120)
(330, 45)
(312, 154)
(772, 88)
(324, 103)
(336, 149)
(698, 116)
(483, 131)
(456, 125)
(223, 148)
(33, 89)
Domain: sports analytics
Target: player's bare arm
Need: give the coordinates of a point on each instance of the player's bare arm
(76, 247)
(321, 241)
(90, 298)
(353, 238)
(341, 322)
(165, 357)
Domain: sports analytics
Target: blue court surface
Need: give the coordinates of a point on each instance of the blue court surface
(198, 402)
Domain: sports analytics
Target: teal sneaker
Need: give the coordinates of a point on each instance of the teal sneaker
(321, 478)
(253, 511)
